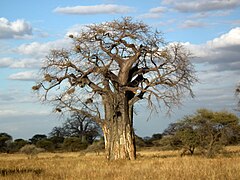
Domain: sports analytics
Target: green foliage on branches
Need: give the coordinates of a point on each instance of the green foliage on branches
(207, 130)
(45, 144)
(37, 137)
(74, 144)
(5, 140)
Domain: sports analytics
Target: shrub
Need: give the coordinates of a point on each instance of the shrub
(97, 146)
(74, 144)
(45, 144)
(31, 150)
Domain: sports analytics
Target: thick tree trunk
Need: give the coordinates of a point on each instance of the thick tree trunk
(118, 130)
(119, 141)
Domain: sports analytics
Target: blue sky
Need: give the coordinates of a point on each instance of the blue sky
(210, 29)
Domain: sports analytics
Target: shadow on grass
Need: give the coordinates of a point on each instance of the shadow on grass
(5, 171)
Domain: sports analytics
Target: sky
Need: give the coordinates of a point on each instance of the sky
(209, 29)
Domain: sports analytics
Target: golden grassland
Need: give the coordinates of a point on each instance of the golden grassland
(150, 164)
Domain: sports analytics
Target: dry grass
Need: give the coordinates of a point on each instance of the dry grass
(149, 165)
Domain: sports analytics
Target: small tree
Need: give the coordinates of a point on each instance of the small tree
(81, 126)
(58, 132)
(45, 144)
(74, 144)
(110, 68)
(205, 129)
(5, 141)
(215, 129)
(183, 135)
(37, 137)
(17, 144)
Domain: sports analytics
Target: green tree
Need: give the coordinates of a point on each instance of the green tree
(17, 144)
(111, 67)
(5, 141)
(207, 130)
(37, 137)
(215, 129)
(74, 144)
(56, 141)
(45, 144)
(183, 135)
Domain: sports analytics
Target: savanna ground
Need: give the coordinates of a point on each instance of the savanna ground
(150, 164)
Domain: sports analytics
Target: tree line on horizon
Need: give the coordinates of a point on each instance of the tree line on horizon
(205, 132)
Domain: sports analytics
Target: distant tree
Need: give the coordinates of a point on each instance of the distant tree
(45, 144)
(74, 144)
(37, 137)
(149, 141)
(58, 132)
(111, 67)
(215, 128)
(205, 129)
(183, 135)
(5, 141)
(17, 144)
(97, 146)
(156, 136)
(80, 126)
(56, 141)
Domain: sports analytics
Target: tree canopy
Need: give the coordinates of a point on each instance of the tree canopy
(206, 130)
(78, 125)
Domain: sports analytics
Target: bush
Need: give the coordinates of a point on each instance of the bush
(17, 145)
(31, 150)
(97, 146)
(57, 142)
(45, 144)
(139, 142)
(74, 144)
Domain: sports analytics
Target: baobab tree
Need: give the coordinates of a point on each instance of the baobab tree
(110, 67)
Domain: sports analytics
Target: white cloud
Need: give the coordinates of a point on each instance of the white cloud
(202, 6)
(158, 10)
(16, 29)
(76, 29)
(24, 76)
(4, 112)
(232, 38)
(15, 112)
(222, 52)
(5, 62)
(27, 63)
(40, 50)
(192, 24)
(154, 13)
(97, 9)
(20, 63)
(220, 13)
(150, 16)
